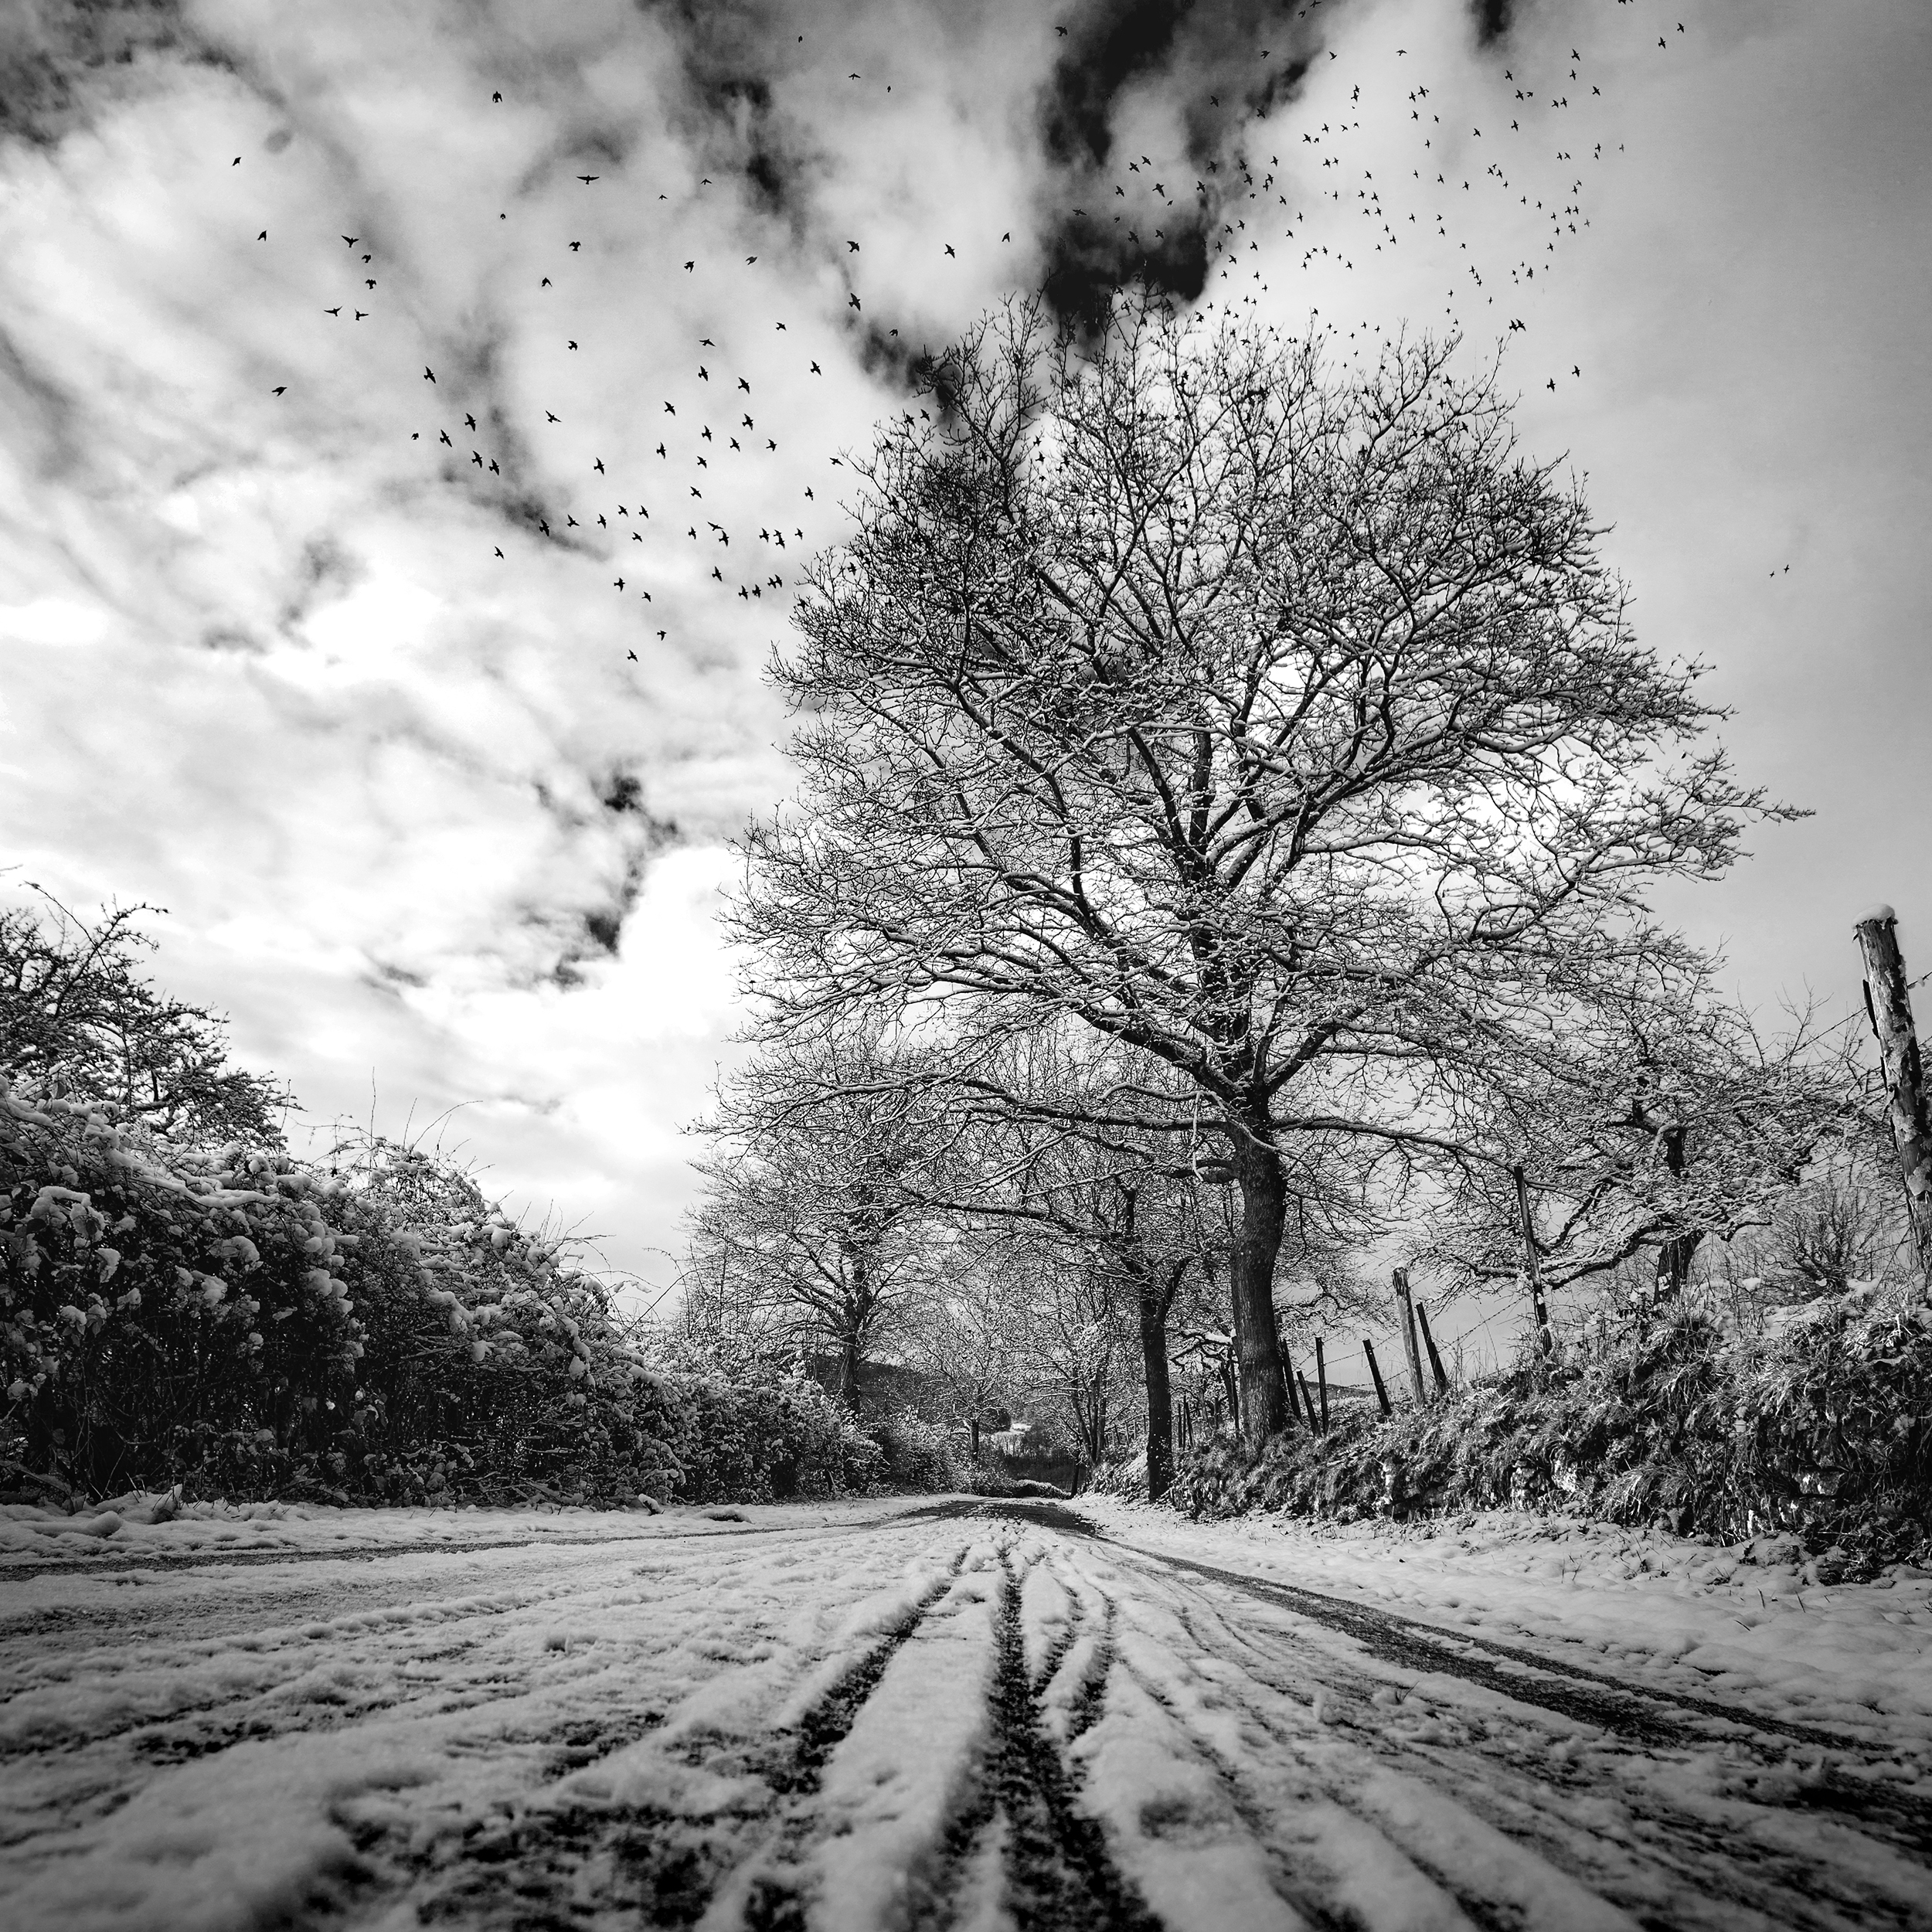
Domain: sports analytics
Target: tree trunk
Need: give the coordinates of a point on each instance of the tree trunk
(1674, 1256)
(1257, 1341)
(1887, 1001)
(1160, 1400)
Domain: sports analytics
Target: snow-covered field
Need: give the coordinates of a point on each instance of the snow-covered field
(901, 1713)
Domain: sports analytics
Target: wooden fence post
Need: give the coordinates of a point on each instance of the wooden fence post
(1321, 1381)
(1429, 1343)
(1382, 1394)
(1890, 1007)
(1531, 1262)
(1307, 1404)
(1407, 1319)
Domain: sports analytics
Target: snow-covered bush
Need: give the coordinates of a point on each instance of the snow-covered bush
(234, 1321)
(1823, 1424)
(915, 1454)
(756, 1432)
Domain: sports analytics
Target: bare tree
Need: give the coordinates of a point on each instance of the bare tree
(76, 1013)
(1282, 724)
(1647, 1119)
(809, 1226)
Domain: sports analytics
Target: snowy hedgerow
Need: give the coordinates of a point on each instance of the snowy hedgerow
(159, 1309)
(1821, 1424)
(228, 1318)
(757, 1431)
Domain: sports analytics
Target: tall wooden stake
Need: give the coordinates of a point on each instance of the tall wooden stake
(1531, 1263)
(1429, 1343)
(1382, 1394)
(1887, 1000)
(1407, 1322)
(1307, 1404)
(1321, 1381)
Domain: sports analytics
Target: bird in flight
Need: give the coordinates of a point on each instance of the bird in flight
(554, 419)
(351, 240)
(633, 656)
(587, 179)
(743, 385)
(949, 249)
(853, 246)
(360, 313)
(854, 303)
(688, 267)
(499, 552)
(469, 422)
(816, 370)
(704, 374)
(283, 390)
(429, 374)
(336, 311)
(569, 345)
(236, 162)
(496, 97)
(263, 235)
(619, 583)
(598, 466)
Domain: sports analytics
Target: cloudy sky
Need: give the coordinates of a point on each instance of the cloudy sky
(430, 832)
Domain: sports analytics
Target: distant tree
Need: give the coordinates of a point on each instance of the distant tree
(1649, 1122)
(1282, 724)
(808, 1225)
(78, 1015)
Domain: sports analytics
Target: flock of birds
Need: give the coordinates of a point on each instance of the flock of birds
(715, 428)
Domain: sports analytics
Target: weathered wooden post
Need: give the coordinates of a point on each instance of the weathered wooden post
(1531, 1262)
(1321, 1381)
(1407, 1306)
(1429, 1343)
(1375, 1370)
(1887, 1001)
(1307, 1405)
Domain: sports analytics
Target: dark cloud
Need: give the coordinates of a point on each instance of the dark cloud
(732, 51)
(278, 140)
(1221, 66)
(1088, 263)
(61, 60)
(1494, 19)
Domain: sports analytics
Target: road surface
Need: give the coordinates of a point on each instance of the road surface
(950, 1717)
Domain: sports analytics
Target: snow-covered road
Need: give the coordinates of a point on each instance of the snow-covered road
(905, 1713)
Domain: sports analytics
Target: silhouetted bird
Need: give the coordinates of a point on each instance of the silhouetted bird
(336, 311)
(263, 235)
(855, 302)
(500, 553)
(554, 419)
(469, 422)
(587, 179)
(429, 374)
(598, 466)
(816, 370)
(444, 435)
(632, 655)
(351, 240)
(283, 390)
(360, 313)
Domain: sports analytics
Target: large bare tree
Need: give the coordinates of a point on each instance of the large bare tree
(1279, 720)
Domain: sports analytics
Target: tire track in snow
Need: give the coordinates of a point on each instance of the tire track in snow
(558, 1860)
(1640, 1715)
(1056, 1872)
(1714, 1852)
